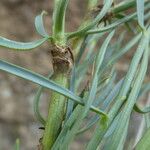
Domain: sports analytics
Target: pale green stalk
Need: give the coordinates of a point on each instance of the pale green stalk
(57, 106)
(56, 113)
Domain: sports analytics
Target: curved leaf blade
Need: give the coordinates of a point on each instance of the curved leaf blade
(36, 101)
(144, 110)
(39, 24)
(21, 45)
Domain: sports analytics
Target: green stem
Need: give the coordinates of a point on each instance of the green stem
(56, 113)
(59, 21)
(57, 104)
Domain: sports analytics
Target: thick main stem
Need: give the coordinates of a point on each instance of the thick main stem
(62, 64)
(56, 113)
(59, 21)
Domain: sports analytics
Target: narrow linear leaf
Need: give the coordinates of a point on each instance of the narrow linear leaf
(144, 143)
(39, 24)
(100, 131)
(147, 120)
(120, 41)
(98, 63)
(145, 88)
(124, 5)
(140, 12)
(82, 69)
(113, 25)
(144, 110)
(102, 13)
(112, 126)
(85, 64)
(105, 91)
(91, 96)
(111, 97)
(91, 45)
(39, 79)
(20, 45)
(37, 113)
(36, 104)
(72, 89)
(81, 50)
(123, 50)
(117, 141)
(106, 103)
(141, 129)
(88, 44)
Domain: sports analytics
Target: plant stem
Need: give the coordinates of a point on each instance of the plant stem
(57, 106)
(59, 21)
(56, 113)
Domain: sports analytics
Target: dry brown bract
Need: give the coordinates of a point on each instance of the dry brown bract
(62, 58)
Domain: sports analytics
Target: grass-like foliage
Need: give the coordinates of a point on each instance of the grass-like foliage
(111, 99)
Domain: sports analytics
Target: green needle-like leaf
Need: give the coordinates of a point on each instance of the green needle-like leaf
(36, 104)
(72, 89)
(106, 103)
(20, 45)
(39, 79)
(144, 110)
(140, 12)
(102, 13)
(113, 25)
(39, 24)
(116, 140)
(105, 91)
(100, 131)
(92, 93)
(144, 143)
(124, 5)
(145, 88)
(116, 56)
(98, 63)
